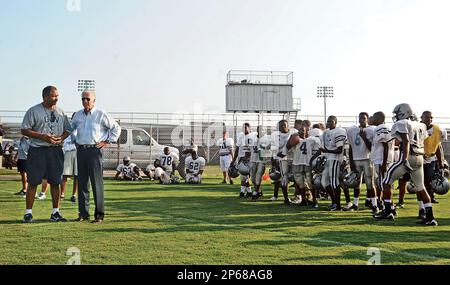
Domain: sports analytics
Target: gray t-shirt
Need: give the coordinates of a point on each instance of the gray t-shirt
(45, 121)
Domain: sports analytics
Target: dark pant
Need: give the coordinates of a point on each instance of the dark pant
(90, 168)
(45, 163)
(429, 170)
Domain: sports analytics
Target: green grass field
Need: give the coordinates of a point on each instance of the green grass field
(147, 223)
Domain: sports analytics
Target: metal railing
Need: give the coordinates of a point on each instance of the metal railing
(260, 77)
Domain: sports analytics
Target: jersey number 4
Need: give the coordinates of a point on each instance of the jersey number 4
(303, 148)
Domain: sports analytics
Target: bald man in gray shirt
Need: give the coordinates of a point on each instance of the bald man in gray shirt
(47, 127)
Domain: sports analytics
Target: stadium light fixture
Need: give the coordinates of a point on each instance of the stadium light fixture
(86, 84)
(325, 92)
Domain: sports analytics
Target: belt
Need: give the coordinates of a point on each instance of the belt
(85, 146)
(47, 146)
(226, 154)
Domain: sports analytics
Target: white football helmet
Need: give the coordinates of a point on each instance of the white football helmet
(244, 168)
(233, 171)
(351, 179)
(317, 181)
(274, 174)
(174, 180)
(440, 184)
(411, 187)
(318, 165)
(402, 111)
(194, 180)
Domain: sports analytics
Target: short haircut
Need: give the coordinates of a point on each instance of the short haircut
(379, 115)
(316, 126)
(332, 118)
(363, 114)
(306, 123)
(298, 122)
(246, 125)
(48, 90)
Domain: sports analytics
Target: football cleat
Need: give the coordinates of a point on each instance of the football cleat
(241, 195)
(433, 222)
(274, 198)
(348, 206)
(333, 208)
(400, 205)
(383, 215)
(41, 196)
(353, 208)
(315, 205)
(248, 195)
(287, 202)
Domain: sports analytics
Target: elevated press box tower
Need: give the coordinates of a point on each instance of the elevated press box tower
(261, 92)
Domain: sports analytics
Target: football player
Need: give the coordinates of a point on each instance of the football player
(297, 124)
(433, 160)
(412, 135)
(333, 146)
(280, 140)
(305, 148)
(360, 146)
(260, 156)
(195, 165)
(225, 145)
(149, 171)
(166, 164)
(128, 171)
(189, 148)
(242, 153)
(382, 156)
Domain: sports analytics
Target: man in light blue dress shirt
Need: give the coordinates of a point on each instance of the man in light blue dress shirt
(94, 130)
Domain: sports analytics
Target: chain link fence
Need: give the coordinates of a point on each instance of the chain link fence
(176, 130)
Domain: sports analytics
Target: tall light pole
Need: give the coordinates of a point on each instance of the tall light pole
(325, 92)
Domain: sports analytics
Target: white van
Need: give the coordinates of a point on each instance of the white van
(138, 145)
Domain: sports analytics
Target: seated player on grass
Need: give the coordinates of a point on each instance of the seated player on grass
(128, 171)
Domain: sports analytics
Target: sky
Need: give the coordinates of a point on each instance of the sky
(173, 55)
